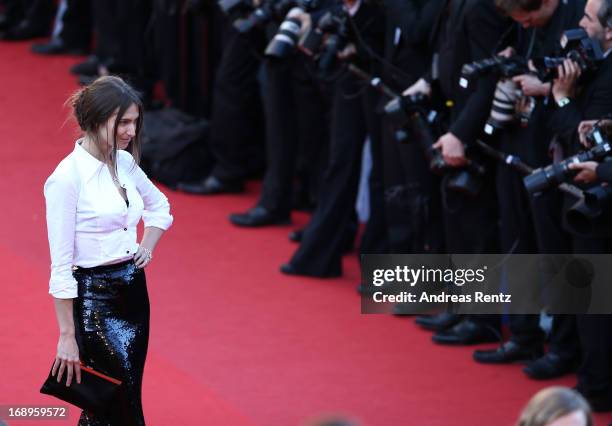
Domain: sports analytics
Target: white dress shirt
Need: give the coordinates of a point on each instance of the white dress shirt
(88, 221)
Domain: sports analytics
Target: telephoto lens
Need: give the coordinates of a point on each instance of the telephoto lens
(285, 40)
(555, 174)
(503, 111)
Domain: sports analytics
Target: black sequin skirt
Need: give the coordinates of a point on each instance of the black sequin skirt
(111, 320)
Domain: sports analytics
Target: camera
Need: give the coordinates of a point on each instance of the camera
(327, 39)
(286, 38)
(500, 66)
(414, 112)
(509, 104)
(579, 47)
(555, 174)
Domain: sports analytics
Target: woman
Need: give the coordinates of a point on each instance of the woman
(556, 406)
(95, 198)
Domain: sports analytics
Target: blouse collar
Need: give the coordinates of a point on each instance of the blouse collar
(87, 164)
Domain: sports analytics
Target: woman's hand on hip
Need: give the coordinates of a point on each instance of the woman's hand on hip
(67, 359)
(143, 257)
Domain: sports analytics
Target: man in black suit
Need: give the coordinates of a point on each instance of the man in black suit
(464, 31)
(412, 200)
(236, 120)
(72, 31)
(537, 32)
(353, 119)
(574, 103)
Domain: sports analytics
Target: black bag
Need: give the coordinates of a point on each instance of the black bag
(175, 147)
(95, 393)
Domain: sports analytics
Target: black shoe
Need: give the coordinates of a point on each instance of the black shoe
(507, 353)
(212, 186)
(258, 216)
(438, 322)
(88, 67)
(56, 46)
(25, 30)
(296, 235)
(288, 269)
(466, 332)
(550, 366)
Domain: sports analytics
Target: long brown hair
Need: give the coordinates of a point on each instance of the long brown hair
(94, 104)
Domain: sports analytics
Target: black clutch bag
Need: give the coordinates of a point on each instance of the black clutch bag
(95, 393)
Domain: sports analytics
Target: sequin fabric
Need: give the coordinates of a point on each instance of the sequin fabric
(111, 317)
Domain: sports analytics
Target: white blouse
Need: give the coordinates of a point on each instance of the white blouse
(88, 221)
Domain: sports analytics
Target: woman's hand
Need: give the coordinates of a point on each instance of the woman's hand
(67, 359)
(143, 256)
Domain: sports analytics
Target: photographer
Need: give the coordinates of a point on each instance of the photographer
(592, 171)
(295, 110)
(464, 31)
(590, 100)
(353, 119)
(236, 133)
(413, 207)
(538, 27)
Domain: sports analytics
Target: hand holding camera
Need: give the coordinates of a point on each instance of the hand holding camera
(586, 171)
(421, 87)
(564, 86)
(452, 148)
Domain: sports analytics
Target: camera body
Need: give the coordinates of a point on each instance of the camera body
(577, 46)
(328, 38)
(415, 112)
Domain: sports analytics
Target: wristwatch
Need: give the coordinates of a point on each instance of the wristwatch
(563, 101)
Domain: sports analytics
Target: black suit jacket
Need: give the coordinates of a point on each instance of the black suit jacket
(532, 143)
(593, 101)
(474, 29)
(409, 54)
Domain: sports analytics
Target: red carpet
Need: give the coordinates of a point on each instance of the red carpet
(233, 342)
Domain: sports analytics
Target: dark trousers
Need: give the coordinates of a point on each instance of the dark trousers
(471, 226)
(38, 12)
(297, 131)
(120, 27)
(76, 26)
(552, 238)
(236, 136)
(412, 198)
(353, 118)
(595, 332)
(517, 236)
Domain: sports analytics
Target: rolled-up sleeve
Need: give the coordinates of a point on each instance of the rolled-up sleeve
(156, 206)
(61, 197)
